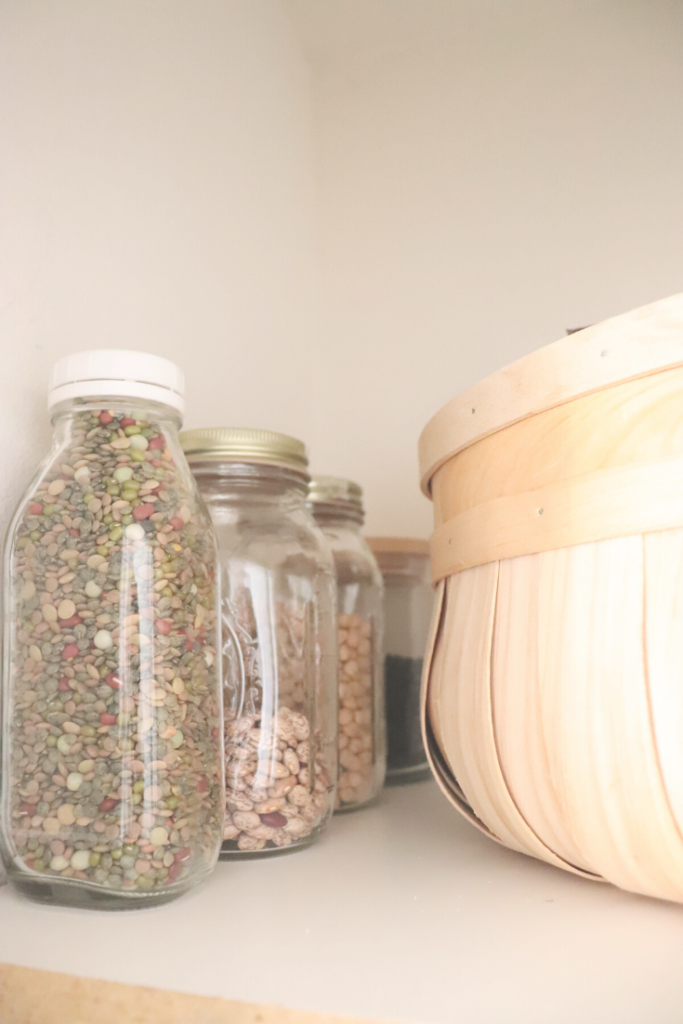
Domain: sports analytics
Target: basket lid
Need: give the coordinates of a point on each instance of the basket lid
(623, 348)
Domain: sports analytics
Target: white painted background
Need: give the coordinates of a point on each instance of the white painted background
(334, 214)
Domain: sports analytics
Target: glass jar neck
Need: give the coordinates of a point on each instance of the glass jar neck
(110, 408)
(221, 482)
(337, 516)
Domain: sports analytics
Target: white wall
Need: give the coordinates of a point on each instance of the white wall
(157, 193)
(470, 177)
(493, 173)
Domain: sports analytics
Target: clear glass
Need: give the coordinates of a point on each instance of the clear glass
(408, 600)
(362, 738)
(112, 793)
(279, 658)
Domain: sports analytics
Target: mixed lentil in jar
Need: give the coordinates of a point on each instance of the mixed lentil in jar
(112, 773)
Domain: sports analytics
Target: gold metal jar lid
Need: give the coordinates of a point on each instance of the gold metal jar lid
(334, 492)
(244, 444)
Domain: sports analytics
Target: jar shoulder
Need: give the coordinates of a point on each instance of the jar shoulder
(56, 480)
(353, 558)
(270, 537)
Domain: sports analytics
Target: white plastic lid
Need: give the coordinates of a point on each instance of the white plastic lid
(117, 371)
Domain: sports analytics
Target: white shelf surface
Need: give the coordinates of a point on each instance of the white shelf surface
(403, 912)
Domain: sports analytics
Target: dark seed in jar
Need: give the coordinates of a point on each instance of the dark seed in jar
(402, 681)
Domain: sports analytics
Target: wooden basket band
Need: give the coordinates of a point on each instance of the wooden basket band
(615, 502)
(624, 348)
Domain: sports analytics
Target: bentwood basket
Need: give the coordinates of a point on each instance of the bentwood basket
(553, 692)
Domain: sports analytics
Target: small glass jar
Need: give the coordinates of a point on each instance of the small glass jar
(112, 791)
(338, 508)
(279, 640)
(408, 599)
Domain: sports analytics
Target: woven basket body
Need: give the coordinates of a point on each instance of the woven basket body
(553, 690)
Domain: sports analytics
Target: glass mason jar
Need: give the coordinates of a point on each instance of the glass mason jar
(338, 509)
(279, 639)
(408, 599)
(112, 781)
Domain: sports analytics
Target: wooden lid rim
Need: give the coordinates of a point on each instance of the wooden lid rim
(635, 344)
(398, 545)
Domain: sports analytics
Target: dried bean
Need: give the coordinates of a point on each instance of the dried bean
(265, 755)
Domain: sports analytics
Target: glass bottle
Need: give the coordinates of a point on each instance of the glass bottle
(279, 639)
(112, 782)
(408, 599)
(338, 508)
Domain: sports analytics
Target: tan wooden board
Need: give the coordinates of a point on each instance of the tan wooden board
(623, 348)
(29, 996)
